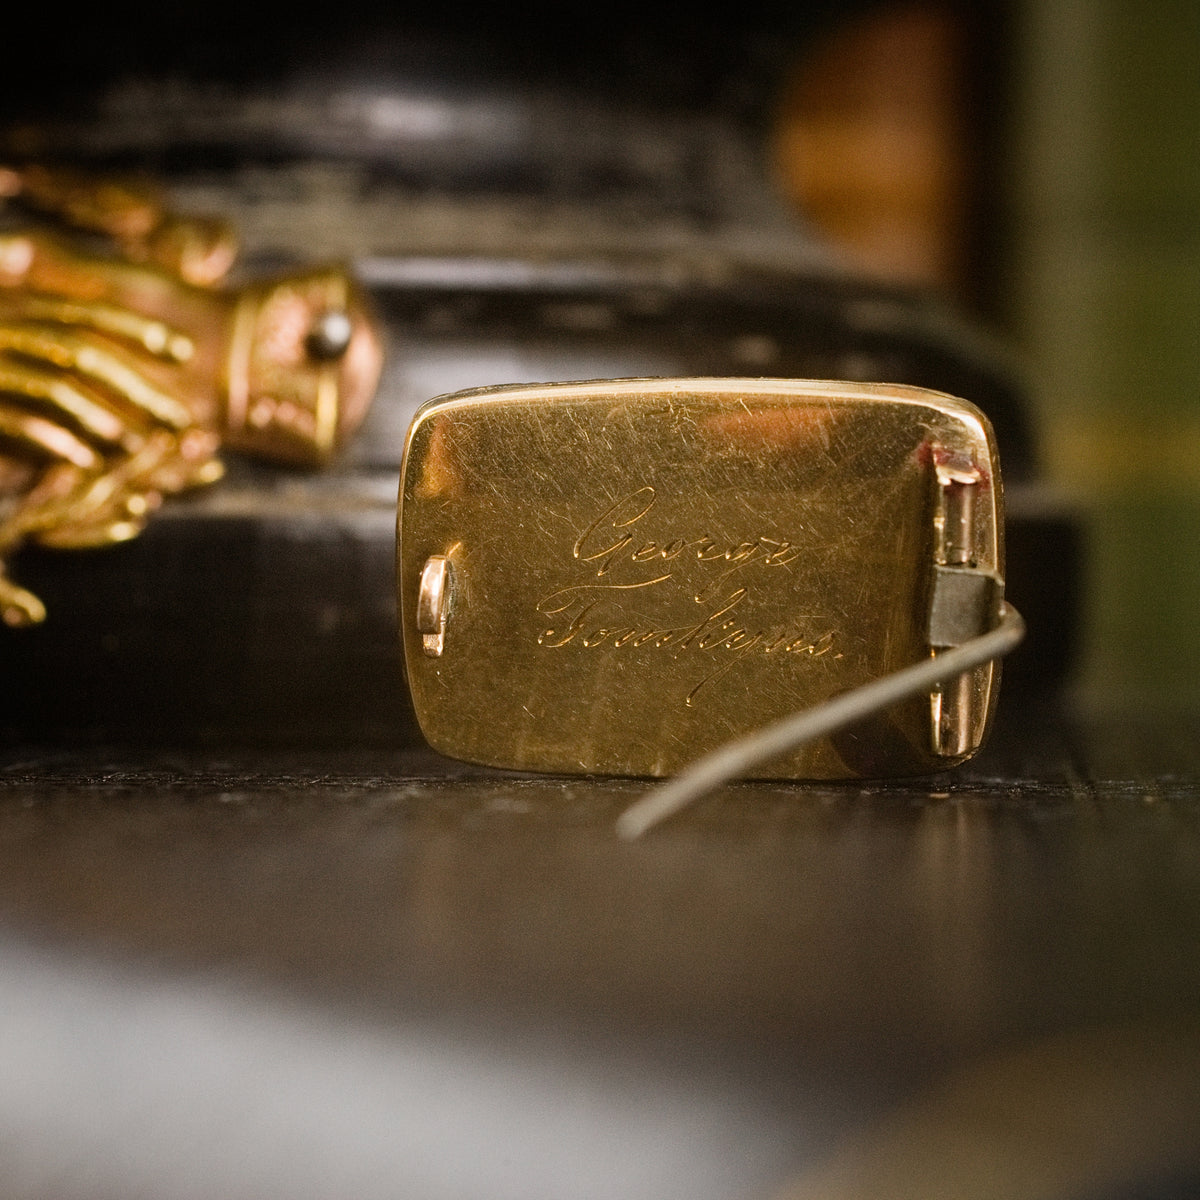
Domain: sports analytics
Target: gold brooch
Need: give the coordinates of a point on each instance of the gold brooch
(621, 576)
(125, 367)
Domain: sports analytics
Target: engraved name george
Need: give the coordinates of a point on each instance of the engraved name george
(608, 540)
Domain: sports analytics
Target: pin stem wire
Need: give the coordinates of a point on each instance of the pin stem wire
(739, 757)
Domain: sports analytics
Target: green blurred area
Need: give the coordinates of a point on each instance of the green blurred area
(1106, 303)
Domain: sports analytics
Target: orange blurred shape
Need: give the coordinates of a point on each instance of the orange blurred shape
(869, 143)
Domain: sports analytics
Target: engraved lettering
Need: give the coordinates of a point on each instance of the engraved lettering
(557, 637)
(619, 515)
(718, 631)
(783, 553)
(591, 614)
(607, 538)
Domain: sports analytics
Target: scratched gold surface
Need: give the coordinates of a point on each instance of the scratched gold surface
(643, 569)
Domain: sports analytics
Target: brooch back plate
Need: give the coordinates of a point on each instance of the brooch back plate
(618, 576)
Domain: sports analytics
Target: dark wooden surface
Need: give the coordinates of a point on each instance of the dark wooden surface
(712, 1011)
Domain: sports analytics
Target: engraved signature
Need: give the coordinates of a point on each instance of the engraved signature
(608, 539)
(717, 631)
(579, 609)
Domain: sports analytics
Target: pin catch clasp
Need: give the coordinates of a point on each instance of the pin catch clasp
(433, 601)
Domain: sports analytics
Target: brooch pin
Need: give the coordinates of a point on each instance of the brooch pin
(619, 577)
(125, 368)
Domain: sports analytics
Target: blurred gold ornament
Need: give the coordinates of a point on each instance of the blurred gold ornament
(125, 366)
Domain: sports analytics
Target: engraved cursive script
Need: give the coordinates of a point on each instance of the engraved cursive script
(611, 542)
(716, 631)
(608, 540)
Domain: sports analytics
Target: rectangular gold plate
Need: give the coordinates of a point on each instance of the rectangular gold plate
(618, 576)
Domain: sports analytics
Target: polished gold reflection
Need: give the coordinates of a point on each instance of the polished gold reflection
(644, 569)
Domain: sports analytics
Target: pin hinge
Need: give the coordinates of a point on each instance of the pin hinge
(965, 603)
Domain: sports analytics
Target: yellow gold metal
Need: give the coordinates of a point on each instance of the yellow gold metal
(121, 376)
(134, 213)
(644, 569)
(433, 602)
